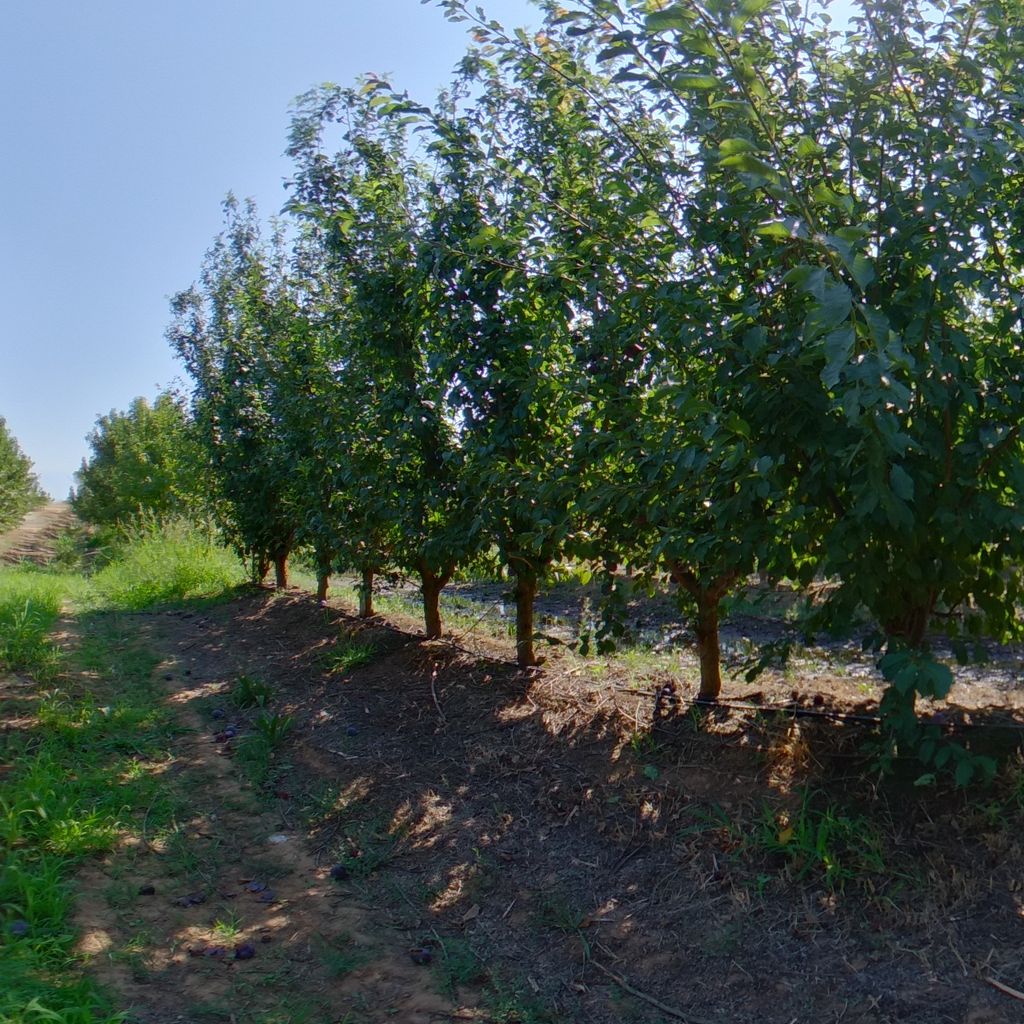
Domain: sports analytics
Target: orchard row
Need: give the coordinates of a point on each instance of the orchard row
(697, 288)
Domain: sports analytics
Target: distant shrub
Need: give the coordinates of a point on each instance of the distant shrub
(166, 563)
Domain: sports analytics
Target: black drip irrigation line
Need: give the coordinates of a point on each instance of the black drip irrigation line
(845, 716)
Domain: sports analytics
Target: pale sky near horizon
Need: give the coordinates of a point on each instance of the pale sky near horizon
(125, 125)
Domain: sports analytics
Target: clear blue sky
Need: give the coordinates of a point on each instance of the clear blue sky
(124, 123)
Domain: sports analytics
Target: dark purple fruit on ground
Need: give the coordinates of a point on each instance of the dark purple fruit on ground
(19, 928)
(352, 731)
(245, 952)
(339, 873)
(218, 712)
(421, 957)
(147, 890)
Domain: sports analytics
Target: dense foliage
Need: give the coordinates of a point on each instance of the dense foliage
(145, 462)
(19, 488)
(697, 288)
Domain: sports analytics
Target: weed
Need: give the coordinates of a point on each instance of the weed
(642, 744)
(319, 805)
(227, 928)
(250, 693)
(254, 755)
(813, 839)
(348, 653)
(555, 911)
(273, 729)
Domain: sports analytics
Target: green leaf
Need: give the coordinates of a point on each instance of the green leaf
(747, 163)
(730, 147)
(690, 81)
(964, 772)
(838, 349)
(806, 147)
(776, 229)
(902, 483)
(676, 17)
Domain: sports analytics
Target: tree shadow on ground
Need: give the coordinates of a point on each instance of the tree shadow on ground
(734, 864)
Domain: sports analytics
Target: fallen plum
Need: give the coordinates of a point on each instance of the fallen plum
(421, 956)
(339, 873)
(245, 952)
(19, 929)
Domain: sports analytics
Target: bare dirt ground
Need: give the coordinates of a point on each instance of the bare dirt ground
(34, 539)
(564, 845)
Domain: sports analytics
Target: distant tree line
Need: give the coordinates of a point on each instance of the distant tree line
(19, 488)
(147, 461)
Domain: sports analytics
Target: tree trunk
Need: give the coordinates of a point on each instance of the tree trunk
(912, 627)
(281, 570)
(262, 568)
(366, 595)
(526, 592)
(431, 585)
(323, 582)
(708, 598)
(708, 648)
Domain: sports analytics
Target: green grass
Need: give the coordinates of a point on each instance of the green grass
(348, 653)
(818, 839)
(58, 805)
(30, 604)
(250, 693)
(255, 752)
(163, 565)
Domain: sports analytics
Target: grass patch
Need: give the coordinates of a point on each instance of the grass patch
(58, 805)
(348, 653)
(30, 604)
(167, 564)
(250, 693)
(256, 752)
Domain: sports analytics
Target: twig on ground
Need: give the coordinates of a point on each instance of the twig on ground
(1012, 992)
(656, 1003)
(433, 693)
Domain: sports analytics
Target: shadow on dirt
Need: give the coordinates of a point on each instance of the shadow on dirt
(595, 848)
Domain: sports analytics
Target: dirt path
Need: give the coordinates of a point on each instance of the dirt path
(162, 922)
(34, 540)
